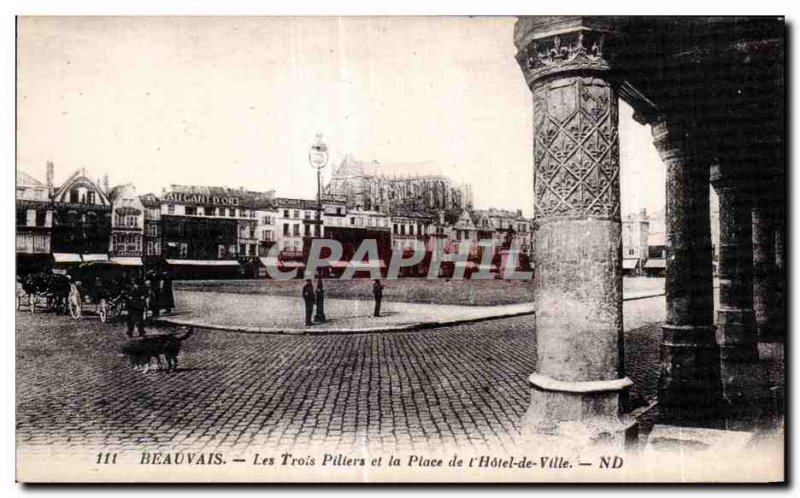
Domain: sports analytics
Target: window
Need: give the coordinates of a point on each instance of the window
(338, 210)
(296, 230)
(231, 213)
(242, 250)
(307, 230)
(394, 228)
(41, 217)
(191, 211)
(286, 229)
(631, 252)
(171, 209)
(221, 251)
(307, 215)
(210, 211)
(296, 214)
(184, 250)
(402, 229)
(73, 196)
(285, 213)
(411, 229)
(352, 220)
(90, 196)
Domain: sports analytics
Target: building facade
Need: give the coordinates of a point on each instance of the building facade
(81, 220)
(127, 226)
(209, 231)
(635, 232)
(34, 221)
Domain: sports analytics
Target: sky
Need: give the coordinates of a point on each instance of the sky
(236, 101)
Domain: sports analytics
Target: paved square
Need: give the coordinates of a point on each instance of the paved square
(463, 384)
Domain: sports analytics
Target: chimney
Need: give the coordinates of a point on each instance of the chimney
(105, 183)
(49, 175)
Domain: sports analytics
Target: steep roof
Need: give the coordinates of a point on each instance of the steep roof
(117, 190)
(26, 180)
(80, 176)
(150, 200)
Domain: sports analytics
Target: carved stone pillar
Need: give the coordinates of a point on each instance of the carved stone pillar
(579, 377)
(765, 292)
(736, 331)
(690, 390)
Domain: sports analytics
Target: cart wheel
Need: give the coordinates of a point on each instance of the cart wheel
(102, 310)
(73, 310)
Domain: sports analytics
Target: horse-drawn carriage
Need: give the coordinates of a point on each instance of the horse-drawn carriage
(43, 290)
(99, 287)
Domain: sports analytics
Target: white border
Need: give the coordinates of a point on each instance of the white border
(317, 7)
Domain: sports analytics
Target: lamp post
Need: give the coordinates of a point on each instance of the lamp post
(318, 158)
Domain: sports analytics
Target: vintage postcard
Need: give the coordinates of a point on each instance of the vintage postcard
(400, 249)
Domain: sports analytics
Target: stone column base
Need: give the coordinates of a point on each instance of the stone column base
(580, 414)
(736, 335)
(690, 389)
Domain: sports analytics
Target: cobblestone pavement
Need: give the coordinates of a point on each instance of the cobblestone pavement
(463, 384)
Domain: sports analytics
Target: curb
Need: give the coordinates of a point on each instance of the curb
(409, 327)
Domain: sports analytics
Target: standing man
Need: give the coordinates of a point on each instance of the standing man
(136, 305)
(308, 297)
(166, 297)
(377, 293)
(155, 294)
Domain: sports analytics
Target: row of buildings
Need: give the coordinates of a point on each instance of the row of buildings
(201, 231)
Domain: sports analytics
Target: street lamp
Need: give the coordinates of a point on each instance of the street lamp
(318, 158)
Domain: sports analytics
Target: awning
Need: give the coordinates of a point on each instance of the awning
(629, 264)
(62, 257)
(203, 262)
(127, 261)
(656, 263)
(95, 257)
